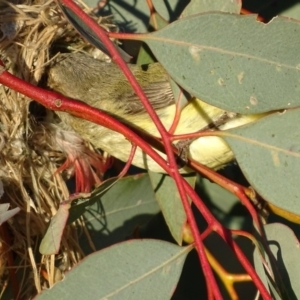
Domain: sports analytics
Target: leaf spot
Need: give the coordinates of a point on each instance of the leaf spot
(275, 158)
(278, 68)
(253, 100)
(298, 67)
(241, 77)
(221, 82)
(166, 270)
(194, 50)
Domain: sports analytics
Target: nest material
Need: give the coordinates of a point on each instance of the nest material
(30, 33)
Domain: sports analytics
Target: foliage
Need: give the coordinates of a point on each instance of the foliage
(239, 64)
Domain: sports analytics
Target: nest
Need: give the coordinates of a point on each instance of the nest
(32, 32)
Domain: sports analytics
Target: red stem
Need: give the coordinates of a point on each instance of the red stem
(56, 101)
(173, 171)
(226, 235)
(128, 163)
(103, 36)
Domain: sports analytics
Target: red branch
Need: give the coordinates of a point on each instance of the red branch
(58, 102)
(172, 170)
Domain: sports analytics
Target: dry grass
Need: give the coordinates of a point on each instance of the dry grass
(31, 150)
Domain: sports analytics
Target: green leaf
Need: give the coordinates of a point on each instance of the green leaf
(137, 269)
(133, 16)
(292, 12)
(268, 10)
(170, 202)
(196, 6)
(268, 152)
(86, 32)
(233, 62)
(221, 203)
(285, 248)
(145, 56)
(6, 213)
(79, 207)
(114, 216)
(181, 97)
(50, 243)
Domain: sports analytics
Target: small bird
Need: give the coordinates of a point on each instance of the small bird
(102, 85)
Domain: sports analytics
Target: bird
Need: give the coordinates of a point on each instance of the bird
(102, 85)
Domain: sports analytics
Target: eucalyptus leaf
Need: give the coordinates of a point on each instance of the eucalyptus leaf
(133, 16)
(267, 9)
(145, 56)
(50, 243)
(137, 269)
(170, 202)
(85, 31)
(6, 213)
(181, 97)
(231, 61)
(268, 152)
(285, 248)
(114, 216)
(199, 6)
(80, 206)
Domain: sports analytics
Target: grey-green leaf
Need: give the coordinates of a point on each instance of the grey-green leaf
(168, 198)
(50, 243)
(268, 152)
(133, 16)
(6, 213)
(233, 61)
(137, 269)
(114, 216)
(285, 248)
(196, 6)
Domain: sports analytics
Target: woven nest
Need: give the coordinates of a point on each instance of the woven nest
(31, 149)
